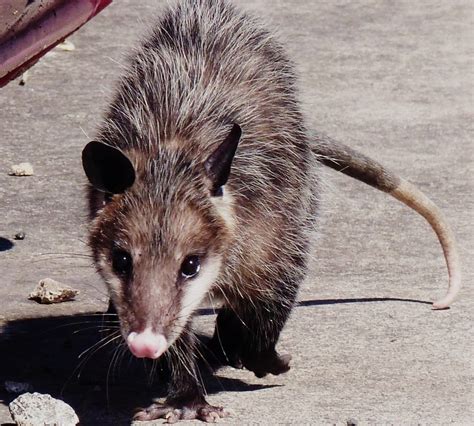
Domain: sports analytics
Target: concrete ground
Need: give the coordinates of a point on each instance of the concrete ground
(393, 79)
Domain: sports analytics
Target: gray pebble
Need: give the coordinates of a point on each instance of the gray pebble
(35, 409)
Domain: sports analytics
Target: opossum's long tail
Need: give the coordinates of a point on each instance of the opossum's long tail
(348, 161)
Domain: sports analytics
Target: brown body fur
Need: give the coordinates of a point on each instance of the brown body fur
(204, 67)
(238, 75)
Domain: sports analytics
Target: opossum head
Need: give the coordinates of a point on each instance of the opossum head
(160, 233)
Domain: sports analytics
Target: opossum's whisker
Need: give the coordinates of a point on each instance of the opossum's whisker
(44, 259)
(229, 304)
(145, 366)
(90, 354)
(99, 328)
(107, 394)
(97, 325)
(112, 365)
(152, 372)
(82, 241)
(220, 343)
(178, 352)
(84, 132)
(199, 376)
(84, 361)
(102, 314)
(149, 370)
(96, 346)
(89, 256)
(191, 345)
(123, 351)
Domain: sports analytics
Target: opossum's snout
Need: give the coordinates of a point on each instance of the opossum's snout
(156, 297)
(147, 344)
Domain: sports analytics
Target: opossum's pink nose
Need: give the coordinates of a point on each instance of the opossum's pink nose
(147, 344)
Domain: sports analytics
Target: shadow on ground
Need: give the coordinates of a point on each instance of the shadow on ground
(77, 359)
(5, 244)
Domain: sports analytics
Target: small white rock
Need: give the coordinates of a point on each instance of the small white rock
(24, 78)
(22, 169)
(66, 45)
(17, 387)
(50, 291)
(36, 409)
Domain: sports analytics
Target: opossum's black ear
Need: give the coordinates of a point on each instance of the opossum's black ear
(107, 168)
(219, 162)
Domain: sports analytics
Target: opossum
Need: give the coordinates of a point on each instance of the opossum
(204, 182)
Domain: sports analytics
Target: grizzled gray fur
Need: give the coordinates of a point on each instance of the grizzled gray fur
(204, 187)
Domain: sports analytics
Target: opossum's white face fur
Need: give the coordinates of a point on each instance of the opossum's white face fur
(160, 229)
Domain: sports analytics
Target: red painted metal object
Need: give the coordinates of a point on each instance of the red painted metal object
(29, 28)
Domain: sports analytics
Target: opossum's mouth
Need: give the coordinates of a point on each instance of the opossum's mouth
(147, 344)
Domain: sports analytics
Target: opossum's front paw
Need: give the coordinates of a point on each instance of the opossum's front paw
(175, 412)
(267, 363)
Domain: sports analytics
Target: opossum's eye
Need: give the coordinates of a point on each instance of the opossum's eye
(190, 267)
(122, 263)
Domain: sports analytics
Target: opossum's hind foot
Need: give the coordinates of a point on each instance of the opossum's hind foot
(260, 363)
(267, 363)
(172, 413)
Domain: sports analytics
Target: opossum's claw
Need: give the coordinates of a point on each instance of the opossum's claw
(172, 414)
(268, 363)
